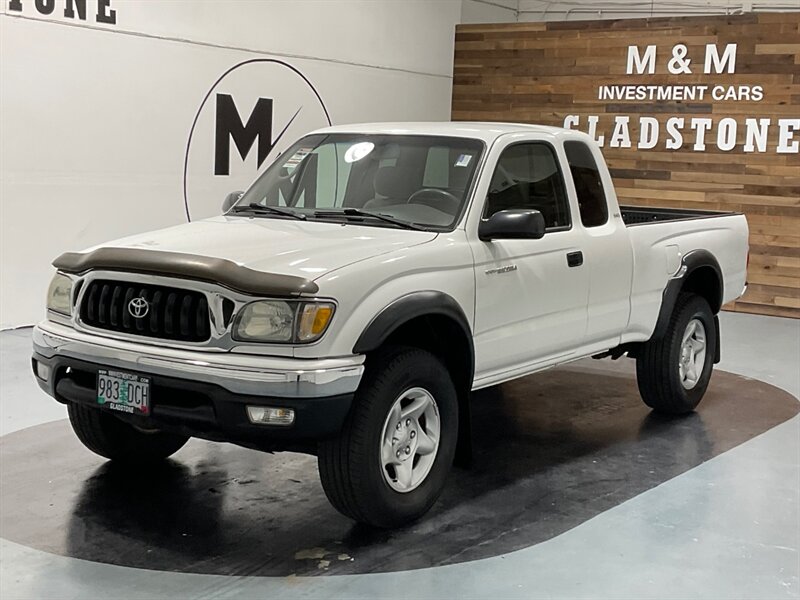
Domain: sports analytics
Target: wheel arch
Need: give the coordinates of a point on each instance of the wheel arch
(700, 274)
(433, 321)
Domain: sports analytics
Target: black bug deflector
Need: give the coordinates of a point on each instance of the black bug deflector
(187, 266)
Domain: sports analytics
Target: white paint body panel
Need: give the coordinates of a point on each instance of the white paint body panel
(539, 315)
(301, 248)
(726, 239)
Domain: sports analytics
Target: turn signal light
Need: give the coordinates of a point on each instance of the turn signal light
(314, 319)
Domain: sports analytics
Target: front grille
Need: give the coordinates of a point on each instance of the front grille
(171, 314)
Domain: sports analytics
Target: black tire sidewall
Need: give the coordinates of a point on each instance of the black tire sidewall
(693, 307)
(406, 370)
(109, 437)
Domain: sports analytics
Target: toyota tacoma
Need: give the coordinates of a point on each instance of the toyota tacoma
(371, 277)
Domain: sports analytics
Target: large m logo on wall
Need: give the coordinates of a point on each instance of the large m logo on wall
(262, 105)
(229, 127)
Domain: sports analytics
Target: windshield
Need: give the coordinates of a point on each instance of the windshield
(416, 181)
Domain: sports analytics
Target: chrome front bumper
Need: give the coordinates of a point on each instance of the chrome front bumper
(238, 373)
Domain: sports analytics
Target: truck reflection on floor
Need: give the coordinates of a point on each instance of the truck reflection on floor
(551, 451)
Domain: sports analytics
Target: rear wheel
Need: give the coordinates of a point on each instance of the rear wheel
(673, 372)
(104, 434)
(389, 463)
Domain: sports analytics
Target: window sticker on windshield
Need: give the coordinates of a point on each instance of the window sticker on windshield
(358, 151)
(463, 160)
(297, 157)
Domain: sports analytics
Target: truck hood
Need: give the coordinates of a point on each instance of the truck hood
(305, 249)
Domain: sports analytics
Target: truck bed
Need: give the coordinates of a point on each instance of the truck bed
(642, 215)
(658, 250)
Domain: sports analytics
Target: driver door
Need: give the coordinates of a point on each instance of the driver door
(531, 295)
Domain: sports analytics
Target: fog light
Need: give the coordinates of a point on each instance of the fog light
(42, 371)
(268, 415)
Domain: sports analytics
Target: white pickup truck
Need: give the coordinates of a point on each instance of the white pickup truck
(350, 300)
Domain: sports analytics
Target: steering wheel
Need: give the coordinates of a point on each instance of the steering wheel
(436, 200)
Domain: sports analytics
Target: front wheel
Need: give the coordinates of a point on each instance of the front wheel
(389, 463)
(673, 372)
(104, 434)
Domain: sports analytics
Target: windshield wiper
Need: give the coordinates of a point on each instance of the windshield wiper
(357, 212)
(264, 208)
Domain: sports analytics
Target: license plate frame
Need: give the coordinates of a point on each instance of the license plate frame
(122, 391)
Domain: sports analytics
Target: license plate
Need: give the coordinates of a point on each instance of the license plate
(124, 392)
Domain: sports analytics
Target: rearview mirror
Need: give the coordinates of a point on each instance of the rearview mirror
(512, 224)
(230, 200)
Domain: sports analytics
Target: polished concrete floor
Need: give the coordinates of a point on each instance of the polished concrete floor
(577, 491)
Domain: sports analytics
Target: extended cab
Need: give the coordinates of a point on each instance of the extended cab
(350, 300)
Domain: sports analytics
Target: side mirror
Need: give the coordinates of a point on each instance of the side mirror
(230, 200)
(512, 224)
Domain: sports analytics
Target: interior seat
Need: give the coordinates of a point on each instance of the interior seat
(392, 186)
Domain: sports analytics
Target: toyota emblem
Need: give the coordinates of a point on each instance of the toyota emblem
(138, 307)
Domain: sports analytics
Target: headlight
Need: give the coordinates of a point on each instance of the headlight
(278, 321)
(59, 295)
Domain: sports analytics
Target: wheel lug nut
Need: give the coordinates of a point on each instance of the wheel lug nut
(398, 454)
(408, 422)
(408, 450)
(398, 426)
(413, 434)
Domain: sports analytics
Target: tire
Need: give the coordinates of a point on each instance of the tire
(353, 466)
(111, 438)
(668, 383)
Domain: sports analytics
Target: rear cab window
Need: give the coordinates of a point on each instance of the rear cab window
(588, 184)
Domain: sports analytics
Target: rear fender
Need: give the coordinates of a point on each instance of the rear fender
(691, 262)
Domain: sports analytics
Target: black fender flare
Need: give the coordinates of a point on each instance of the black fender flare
(690, 262)
(406, 308)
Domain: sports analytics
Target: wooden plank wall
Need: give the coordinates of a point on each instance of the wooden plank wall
(541, 72)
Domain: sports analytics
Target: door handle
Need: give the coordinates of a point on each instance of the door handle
(574, 259)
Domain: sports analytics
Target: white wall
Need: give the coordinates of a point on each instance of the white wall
(94, 117)
(489, 11)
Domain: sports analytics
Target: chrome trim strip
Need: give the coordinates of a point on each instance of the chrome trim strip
(238, 373)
